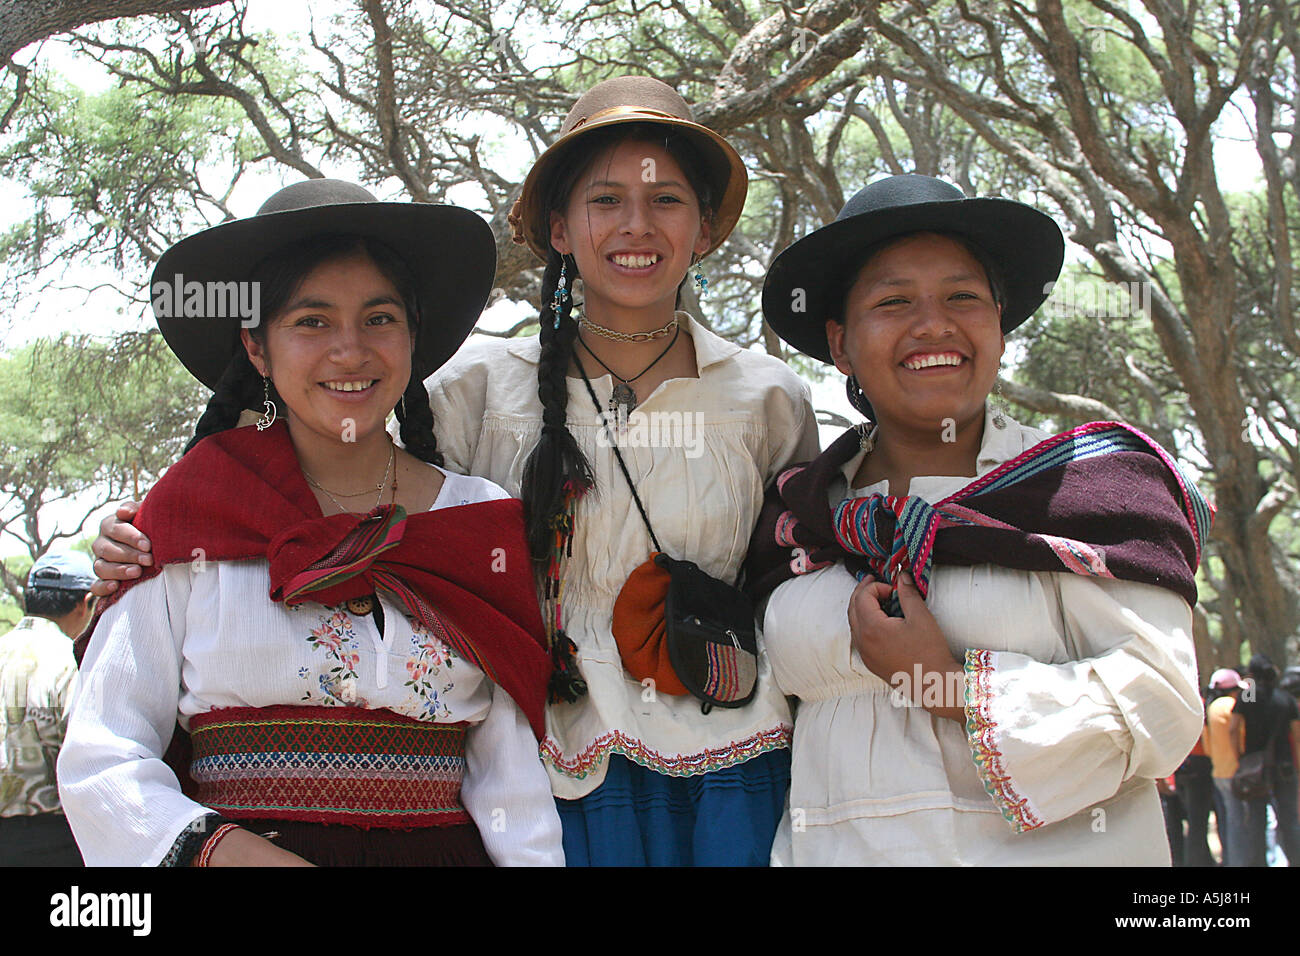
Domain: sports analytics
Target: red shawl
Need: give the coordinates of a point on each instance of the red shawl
(462, 571)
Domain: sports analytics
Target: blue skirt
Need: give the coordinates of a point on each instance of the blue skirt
(641, 818)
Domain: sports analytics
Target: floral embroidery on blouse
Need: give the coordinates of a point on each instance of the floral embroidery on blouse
(338, 685)
(429, 658)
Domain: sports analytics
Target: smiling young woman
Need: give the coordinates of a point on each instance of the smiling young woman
(625, 202)
(988, 628)
(298, 565)
(342, 361)
(921, 325)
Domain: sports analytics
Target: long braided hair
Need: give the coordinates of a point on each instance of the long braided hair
(556, 468)
(240, 386)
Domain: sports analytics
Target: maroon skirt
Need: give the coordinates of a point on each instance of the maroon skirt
(327, 844)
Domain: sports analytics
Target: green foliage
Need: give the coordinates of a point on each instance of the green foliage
(115, 177)
(82, 417)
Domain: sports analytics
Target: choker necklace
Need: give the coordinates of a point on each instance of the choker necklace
(617, 336)
(392, 456)
(623, 399)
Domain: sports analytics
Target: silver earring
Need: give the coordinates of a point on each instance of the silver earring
(999, 420)
(866, 436)
(701, 283)
(268, 407)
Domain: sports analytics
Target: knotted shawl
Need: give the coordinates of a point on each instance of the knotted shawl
(463, 572)
(1102, 500)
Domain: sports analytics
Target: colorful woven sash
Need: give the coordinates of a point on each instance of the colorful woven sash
(363, 768)
(1101, 500)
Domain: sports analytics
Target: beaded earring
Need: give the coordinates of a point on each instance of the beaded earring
(557, 301)
(701, 283)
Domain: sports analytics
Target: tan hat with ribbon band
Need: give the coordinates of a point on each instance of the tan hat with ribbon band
(631, 99)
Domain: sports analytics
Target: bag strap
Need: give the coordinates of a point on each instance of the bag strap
(613, 444)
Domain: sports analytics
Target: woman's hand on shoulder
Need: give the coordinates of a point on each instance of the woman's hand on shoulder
(892, 647)
(119, 550)
(245, 848)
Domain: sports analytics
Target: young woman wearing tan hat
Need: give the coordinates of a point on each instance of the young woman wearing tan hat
(627, 201)
(339, 639)
(988, 628)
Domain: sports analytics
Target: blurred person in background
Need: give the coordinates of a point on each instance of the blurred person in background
(1194, 785)
(38, 677)
(1269, 721)
(1225, 686)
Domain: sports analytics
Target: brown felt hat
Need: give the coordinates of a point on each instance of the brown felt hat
(630, 99)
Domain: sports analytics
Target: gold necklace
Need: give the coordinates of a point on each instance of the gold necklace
(392, 457)
(617, 336)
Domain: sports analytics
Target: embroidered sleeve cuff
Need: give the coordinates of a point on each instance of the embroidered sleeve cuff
(982, 733)
(191, 840)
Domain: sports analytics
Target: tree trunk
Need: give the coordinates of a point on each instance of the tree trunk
(25, 21)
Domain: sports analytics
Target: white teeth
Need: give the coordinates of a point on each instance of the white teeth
(929, 361)
(635, 262)
(350, 386)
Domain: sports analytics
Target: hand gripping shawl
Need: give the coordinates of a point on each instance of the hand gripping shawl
(1102, 500)
(463, 572)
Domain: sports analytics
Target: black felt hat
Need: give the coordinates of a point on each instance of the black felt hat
(449, 251)
(806, 280)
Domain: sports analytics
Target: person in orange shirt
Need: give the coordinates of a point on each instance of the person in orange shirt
(1217, 738)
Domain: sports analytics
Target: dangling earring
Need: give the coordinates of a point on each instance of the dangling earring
(701, 283)
(866, 436)
(999, 420)
(268, 407)
(560, 292)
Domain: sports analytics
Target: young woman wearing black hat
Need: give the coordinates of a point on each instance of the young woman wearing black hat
(988, 628)
(376, 708)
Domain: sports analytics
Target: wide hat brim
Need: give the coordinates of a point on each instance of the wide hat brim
(449, 251)
(805, 280)
(616, 102)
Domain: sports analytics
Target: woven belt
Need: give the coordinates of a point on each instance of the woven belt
(363, 768)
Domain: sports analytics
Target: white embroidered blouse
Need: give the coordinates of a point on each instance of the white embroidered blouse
(1079, 692)
(198, 637)
(700, 450)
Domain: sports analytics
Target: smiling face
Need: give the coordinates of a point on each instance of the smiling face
(632, 223)
(340, 348)
(922, 333)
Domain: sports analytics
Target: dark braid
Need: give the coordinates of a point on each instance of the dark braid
(238, 388)
(556, 459)
(416, 418)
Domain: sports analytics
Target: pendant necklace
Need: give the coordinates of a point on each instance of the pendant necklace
(624, 399)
